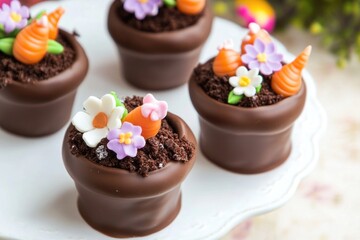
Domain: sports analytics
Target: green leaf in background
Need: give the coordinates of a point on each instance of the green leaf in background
(119, 104)
(54, 47)
(6, 45)
(234, 99)
(170, 3)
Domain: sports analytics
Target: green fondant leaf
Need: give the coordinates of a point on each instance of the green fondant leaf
(258, 88)
(119, 104)
(40, 14)
(125, 113)
(234, 99)
(2, 31)
(2, 34)
(54, 47)
(117, 100)
(6, 45)
(170, 3)
(14, 33)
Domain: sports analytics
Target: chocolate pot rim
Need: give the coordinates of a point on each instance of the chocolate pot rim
(259, 120)
(177, 41)
(56, 86)
(140, 186)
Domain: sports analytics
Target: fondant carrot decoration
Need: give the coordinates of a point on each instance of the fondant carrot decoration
(54, 18)
(227, 60)
(287, 81)
(31, 43)
(190, 7)
(254, 32)
(148, 116)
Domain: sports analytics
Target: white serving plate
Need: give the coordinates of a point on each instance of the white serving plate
(38, 197)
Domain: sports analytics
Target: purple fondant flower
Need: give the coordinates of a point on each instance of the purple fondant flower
(125, 141)
(262, 56)
(14, 16)
(141, 8)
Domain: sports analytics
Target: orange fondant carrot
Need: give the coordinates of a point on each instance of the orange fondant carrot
(149, 128)
(287, 81)
(191, 7)
(227, 60)
(54, 18)
(30, 45)
(254, 32)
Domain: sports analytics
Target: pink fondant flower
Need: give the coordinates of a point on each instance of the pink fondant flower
(126, 140)
(262, 56)
(13, 16)
(153, 108)
(141, 8)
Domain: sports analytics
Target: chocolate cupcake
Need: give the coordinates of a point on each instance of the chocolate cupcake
(41, 68)
(159, 41)
(128, 160)
(247, 103)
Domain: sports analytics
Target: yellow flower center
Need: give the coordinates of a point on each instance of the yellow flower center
(261, 57)
(125, 138)
(143, 1)
(100, 120)
(15, 17)
(244, 81)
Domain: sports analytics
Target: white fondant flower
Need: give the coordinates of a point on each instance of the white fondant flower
(245, 81)
(100, 116)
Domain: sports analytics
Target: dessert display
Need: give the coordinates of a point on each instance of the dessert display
(159, 39)
(247, 103)
(128, 159)
(41, 68)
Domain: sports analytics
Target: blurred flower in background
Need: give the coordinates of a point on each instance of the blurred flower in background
(4, 1)
(247, 11)
(336, 22)
(260, 11)
(23, 2)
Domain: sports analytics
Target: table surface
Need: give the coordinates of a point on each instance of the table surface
(326, 205)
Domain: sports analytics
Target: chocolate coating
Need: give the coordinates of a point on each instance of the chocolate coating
(123, 204)
(158, 61)
(246, 140)
(43, 107)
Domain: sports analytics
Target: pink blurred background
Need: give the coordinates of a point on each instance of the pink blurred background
(25, 2)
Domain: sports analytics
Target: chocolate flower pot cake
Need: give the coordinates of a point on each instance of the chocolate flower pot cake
(40, 72)
(160, 47)
(247, 104)
(246, 140)
(128, 168)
